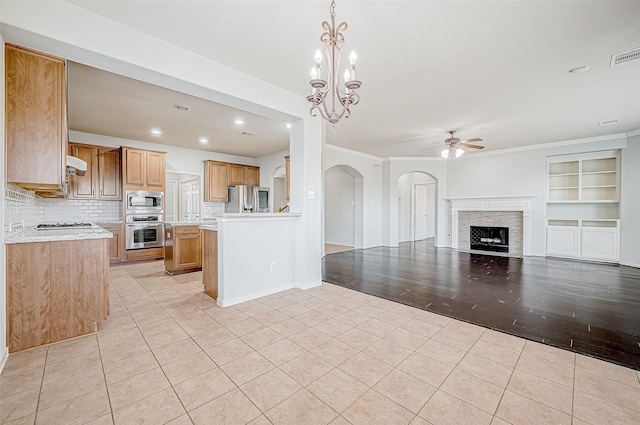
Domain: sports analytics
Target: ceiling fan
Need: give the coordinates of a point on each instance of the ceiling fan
(454, 145)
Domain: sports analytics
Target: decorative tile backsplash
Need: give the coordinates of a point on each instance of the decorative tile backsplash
(24, 209)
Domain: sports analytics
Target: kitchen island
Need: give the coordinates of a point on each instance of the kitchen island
(247, 256)
(57, 284)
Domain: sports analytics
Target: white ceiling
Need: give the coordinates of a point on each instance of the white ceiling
(496, 70)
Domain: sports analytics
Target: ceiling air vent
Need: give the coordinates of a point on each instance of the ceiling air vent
(248, 133)
(628, 56)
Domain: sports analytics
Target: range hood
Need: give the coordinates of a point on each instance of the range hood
(76, 166)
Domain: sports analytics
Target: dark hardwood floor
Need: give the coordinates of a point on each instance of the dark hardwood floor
(589, 308)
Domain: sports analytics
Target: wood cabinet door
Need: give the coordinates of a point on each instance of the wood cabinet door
(35, 119)
(84, 187)
(237, 174)
(252, 175)
(216, 181)
(109, 174)
(114, 247)
(187, 251)
(155, 175)
(134, 167)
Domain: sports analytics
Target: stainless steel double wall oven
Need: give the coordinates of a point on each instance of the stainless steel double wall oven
(144, 219)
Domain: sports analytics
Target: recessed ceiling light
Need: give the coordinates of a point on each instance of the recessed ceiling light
(609, 122)
(156, 132)
(203, 140)
(181, 107)
(579, 69)
(239, 122)
(288, 125)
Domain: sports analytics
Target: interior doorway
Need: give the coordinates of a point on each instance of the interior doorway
(417, 207)
(343, 209)
(279, 197)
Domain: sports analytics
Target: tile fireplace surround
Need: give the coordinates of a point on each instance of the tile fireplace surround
(513, 212)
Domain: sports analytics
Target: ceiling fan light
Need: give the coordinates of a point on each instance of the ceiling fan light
(445, 153)
(459, 152)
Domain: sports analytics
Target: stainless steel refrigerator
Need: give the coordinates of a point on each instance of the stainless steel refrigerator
(247, 199)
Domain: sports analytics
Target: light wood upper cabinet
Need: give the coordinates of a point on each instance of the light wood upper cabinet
(252, 175)
(155, 171)
(216, 181)
(36, 120)
(143, 170)
(237, 174)
(287, 177)
(244, 174)
(109, 174)
(102, 179)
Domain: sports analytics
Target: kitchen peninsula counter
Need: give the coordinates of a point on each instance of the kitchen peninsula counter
(247, 256)
(31, 234)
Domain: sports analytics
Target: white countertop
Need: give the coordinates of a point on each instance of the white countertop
(52, 235)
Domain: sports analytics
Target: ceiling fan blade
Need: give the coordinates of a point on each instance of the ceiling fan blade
(470, 146)
(475, 139)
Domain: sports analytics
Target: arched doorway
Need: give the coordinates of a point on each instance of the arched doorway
(417, 207)
(343, 209)
(279, 194)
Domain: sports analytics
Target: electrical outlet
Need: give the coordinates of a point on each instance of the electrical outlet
(272, 266)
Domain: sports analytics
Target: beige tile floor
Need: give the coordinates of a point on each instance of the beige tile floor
(328, 355)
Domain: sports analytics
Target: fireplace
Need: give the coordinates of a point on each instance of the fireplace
(483, 238)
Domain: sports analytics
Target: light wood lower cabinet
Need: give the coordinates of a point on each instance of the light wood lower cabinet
(183, 248)
(55, 290)
(210, 262)
(116, 244)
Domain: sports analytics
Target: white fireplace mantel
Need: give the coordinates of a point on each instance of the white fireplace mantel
(494, 203)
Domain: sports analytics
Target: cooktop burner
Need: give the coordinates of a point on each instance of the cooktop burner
(63, 226)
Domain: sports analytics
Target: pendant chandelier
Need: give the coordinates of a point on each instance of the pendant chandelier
(328, 96)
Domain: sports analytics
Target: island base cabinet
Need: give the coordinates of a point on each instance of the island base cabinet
(55, 290)
(210, 263)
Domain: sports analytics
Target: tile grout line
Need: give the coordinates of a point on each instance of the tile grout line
(106, 386)
(44, 368)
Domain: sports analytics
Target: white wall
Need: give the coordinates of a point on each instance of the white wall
(339, 207)
(405, 205)
(3, 278)
(517, 172)
(630, 205)
(268, 165)
(370, 167)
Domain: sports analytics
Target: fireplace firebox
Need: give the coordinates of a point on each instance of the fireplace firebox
(494, 239)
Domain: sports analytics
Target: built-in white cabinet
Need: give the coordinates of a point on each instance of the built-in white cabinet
(586, 239)
(591, 177)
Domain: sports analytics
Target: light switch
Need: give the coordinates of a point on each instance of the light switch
(311, 195)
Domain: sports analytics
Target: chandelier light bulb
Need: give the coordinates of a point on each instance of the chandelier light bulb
(347, 76)
(314, 73)
(353, 58)
(318, 57)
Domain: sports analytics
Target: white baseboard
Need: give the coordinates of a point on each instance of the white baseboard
(309, 285)
(3, 358)
(637, 266)
(253, 296)
(337, 243)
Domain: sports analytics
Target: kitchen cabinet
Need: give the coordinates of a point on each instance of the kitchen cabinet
(287, 177)
(103, 177)
(182, 249)
(216, 181)
(143, 170)
(244, 174)
(210, 262)
(218, 176)
(35, 121)
(116, 244)
(55, 290)
(584, 239)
